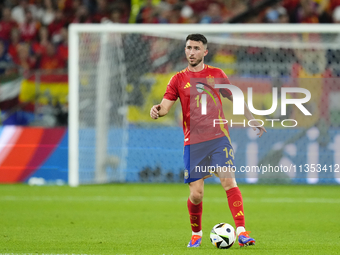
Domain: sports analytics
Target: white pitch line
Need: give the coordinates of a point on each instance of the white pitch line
(164, 199)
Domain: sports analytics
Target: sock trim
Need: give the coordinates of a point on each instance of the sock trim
(200, 233)
(239, 230)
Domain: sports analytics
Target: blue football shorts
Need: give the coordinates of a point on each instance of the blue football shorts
(201, 160)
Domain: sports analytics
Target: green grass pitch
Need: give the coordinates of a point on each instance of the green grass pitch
(153, 219)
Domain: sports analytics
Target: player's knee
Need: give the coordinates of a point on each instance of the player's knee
(228, 183)
(196, 196)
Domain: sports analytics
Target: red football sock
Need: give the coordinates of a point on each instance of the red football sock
(236, 206)
(195, 212)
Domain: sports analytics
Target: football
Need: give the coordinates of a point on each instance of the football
(222, 235)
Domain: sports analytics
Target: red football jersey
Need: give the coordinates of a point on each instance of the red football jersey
(190, 87)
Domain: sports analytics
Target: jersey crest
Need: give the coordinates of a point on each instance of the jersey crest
(210, 80)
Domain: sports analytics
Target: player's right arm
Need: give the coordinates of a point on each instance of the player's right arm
(162, 109)
(170, 97)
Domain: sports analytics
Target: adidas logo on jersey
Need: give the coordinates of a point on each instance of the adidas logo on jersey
(188, 85)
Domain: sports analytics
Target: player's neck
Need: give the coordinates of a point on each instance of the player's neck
(197, 68)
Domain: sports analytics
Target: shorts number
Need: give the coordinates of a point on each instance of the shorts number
(230, 153)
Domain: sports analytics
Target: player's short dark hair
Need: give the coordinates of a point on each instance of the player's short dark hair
(197, 38)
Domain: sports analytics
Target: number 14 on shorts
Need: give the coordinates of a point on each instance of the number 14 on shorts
(229, 153)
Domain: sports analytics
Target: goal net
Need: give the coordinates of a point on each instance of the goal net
(117, 72)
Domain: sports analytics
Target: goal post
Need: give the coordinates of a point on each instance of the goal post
(73, 117)
(117, 71)
(105, 75)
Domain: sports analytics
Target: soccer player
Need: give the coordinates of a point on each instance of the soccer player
(205, 144)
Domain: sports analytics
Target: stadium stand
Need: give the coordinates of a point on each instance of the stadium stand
(33, 33)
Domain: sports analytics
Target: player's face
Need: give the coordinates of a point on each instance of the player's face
(195, 52)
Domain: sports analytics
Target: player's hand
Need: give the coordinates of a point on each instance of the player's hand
(261, 130)
(154, 112)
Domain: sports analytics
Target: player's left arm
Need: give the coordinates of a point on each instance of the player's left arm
(250, 116)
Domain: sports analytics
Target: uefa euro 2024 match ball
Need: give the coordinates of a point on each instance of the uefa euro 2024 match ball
(222, 236)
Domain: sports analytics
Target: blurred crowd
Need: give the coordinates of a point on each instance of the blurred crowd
(244, 11)
(34, 33)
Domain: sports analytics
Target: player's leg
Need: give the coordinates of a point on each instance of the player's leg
(195, 155)
(195, 211)
(196, 191)
(235, 203)
(223, 157)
